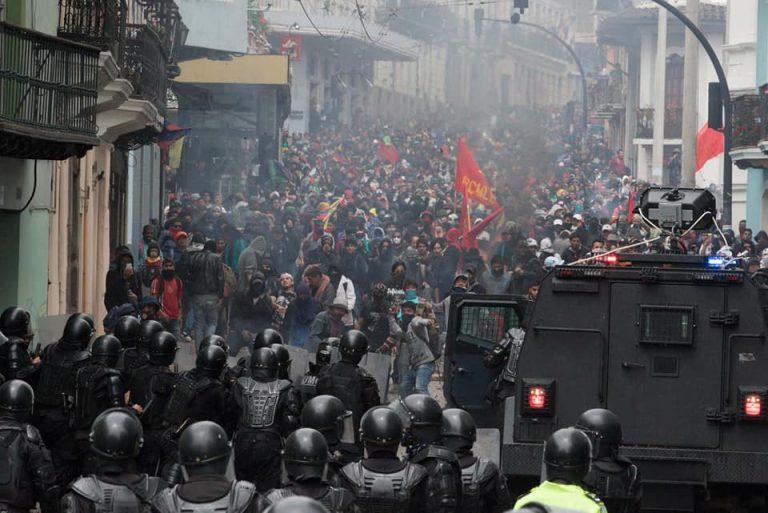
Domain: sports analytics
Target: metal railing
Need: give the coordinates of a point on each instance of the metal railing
(47, 82)
(673, 123)
(606, 92)
(750, 114)
(145, 65)
(99, 23)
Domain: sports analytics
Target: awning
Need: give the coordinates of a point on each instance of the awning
(345, 35)
(244, 69)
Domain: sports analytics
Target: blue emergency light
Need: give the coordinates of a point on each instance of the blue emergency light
(715, 261)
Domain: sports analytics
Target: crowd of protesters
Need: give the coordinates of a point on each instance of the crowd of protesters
(345, 236)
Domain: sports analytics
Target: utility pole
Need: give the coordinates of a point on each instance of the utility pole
(657, 158)
(690, 98)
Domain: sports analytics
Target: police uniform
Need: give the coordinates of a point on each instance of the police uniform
(207, 494)
(484, 488)
(616, 481)
(336, 500)
(386, 485)
(130, 494)
(27, 475)
(353, 385)
(444, 485)
(268, 411)
(561, 495)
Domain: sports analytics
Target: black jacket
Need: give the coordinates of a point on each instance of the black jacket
(204, 274)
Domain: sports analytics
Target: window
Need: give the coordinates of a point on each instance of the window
(666, 324)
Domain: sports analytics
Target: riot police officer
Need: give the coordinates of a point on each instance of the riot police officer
(307, 388)
(150, 388)
(54, 393)
(267, 412)
(566, 459)
(305, 459)
(204, 452)
(98, 387)
(346, 380)
(328, 415)
(197, 395)
(162, 353)
(116, 437)
(611, 477)
(485, 488)
(15, 360)
(29, 474)
(424, 420)
(138, 356)
(381, 481)
(283, 361)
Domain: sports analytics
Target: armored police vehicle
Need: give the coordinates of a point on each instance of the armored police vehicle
(675, 345)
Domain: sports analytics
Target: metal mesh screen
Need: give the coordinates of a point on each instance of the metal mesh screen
(487, 323)
(666, 324)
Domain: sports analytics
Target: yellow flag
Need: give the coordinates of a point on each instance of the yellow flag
(174, 153)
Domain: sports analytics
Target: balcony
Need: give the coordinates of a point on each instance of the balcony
(100, 23)
(48, 91)
(749, 119)
(606, 97)
(673, 123)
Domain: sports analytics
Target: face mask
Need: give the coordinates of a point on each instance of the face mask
(498, 272)
(407, 319)
(458, 290)
(257, 288)
(397, 240)
(168, 274)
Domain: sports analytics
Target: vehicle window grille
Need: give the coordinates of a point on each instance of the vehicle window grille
(487, 322)
(666, 324)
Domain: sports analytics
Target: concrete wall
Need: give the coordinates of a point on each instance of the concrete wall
(144, 189)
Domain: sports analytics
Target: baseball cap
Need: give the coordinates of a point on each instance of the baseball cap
(531, 243)
(558, 222)
(607, 228)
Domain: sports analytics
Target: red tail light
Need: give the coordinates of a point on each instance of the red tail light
(538, 397)
(753, 405)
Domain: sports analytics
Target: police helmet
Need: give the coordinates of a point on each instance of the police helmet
(106, 349)
(14, 355)
(147, 329)
(459, 430)
(323, 354)
(283, 361)
(77, 333)
(213, 340)
(421, 416)
(603, 429)
(212, 359)
(305, 455)
(127, 329)
(85, 316)
(116, 434)
(296, 504)
(204, 448)
(381, 426)
(328, 415)
(263, 363)
(15, 322)
(17, 398)
(567, 455)
(266, 338)
(353, 346)
(162, 348)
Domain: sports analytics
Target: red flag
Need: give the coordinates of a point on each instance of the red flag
(388, 153)
(470, 181)
(631, 207)
(469, 237)
(709, 144)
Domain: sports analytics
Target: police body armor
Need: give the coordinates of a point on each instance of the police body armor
(307, 387)
(444, 470)
(617, 484)
(16, 487)
(260, 401)
(475, 479)
(132, 359)
(57, 374)
(346, 384)
(336, 500)
(114, 498)
(186, 388)
(377, 492)
(239, 498)
(96, 389)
